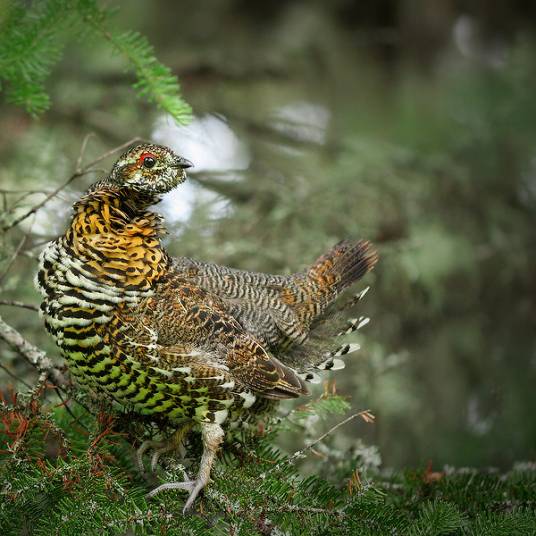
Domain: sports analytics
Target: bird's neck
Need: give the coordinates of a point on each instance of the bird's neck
(118, 239)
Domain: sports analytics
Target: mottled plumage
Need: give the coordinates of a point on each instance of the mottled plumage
(188, 341)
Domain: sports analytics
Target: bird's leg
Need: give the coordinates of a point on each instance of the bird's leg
(175, 442)
(212, 435)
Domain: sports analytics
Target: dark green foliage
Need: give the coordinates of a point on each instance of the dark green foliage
(32, 40)
(30, 45)
(82, 482)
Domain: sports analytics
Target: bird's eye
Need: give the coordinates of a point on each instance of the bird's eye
(149, 162)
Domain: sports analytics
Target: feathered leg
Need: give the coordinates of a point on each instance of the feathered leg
(212, 435)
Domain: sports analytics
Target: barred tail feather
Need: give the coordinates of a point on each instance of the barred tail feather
(316, 355)
(353, 325)
(343, 265)
(332, 362)
(356, 298)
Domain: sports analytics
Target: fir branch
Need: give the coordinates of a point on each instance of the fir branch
(32, 40)
(155, 81)
(32, 43)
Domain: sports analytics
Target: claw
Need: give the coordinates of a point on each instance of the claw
(212, 434)
(187, 485)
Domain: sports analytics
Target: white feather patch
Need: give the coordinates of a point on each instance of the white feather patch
(338, 364)
(363, 321)
(361, 295)
(220, 416)
(182, 370)
(354, 324)
(249, 398)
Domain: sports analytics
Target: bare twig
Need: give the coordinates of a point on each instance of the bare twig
(105, 155)
(34, 355)
(366, 415)
(14, 376)
(77, 173)
(13, 257)
(20, 192)
(65, 404)
(15, 303)
(83, 150)
(39, 205)
(15, 205)
(16, 253)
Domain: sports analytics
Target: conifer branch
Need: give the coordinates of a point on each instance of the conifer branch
(32, 40)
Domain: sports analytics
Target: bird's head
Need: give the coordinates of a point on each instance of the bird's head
(151, 170)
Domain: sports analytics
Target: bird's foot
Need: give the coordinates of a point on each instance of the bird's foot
(212, 435)
(192, 486)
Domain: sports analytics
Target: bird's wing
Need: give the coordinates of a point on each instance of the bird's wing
(182, 314)
(279, 310)
(262, 303)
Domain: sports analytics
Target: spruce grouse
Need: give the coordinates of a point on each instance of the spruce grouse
(200, 345)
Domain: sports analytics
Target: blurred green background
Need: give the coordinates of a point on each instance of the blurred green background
(410, 123)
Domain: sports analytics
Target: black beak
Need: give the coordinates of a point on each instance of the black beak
(183, 163)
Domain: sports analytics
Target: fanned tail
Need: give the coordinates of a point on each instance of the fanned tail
(321, 352)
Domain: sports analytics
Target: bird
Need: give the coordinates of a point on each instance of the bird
(202, 346)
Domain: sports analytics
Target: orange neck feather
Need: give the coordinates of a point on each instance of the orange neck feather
(120, 243)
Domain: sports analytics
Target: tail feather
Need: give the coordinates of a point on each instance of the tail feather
(353, 325)
(332, 362)
(356, 298)
(331, 274)
(316, 355)
(344, 264)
